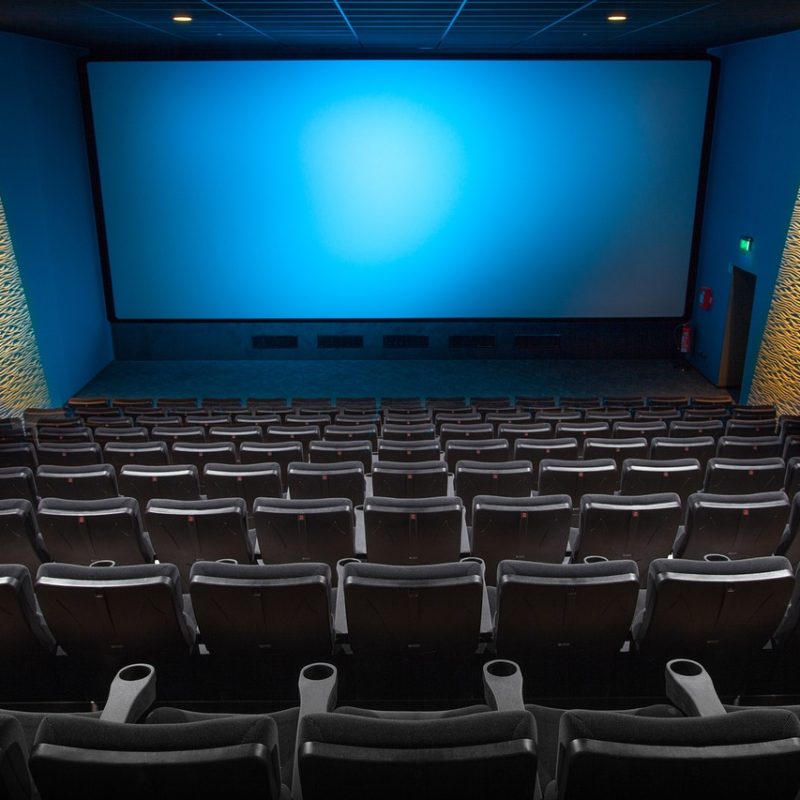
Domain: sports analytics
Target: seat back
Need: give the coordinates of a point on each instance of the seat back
(248, 481)
(523, 528)
(536, 450)
(324, 452)
(20, 540)
(491, 450)
(281, 453)
(233, 757)
(684, 476)
(131, 613)
(18, 454)
(564, 609)
(409, 479)
(700, 447)
(577, 478)
(68, 453)
(413, 610)
(202, 453)
(23, 632)
(248, 610)
(85, 531)
(736, 526)
(401, 450)
(143, 453)
(350, 433)
(744, 475)
(185, 531)
(697, 608)
(639, 527)
(338, 479)
(90, 482)
(723, 757)
(617, 449)
(749, 447)
(292, 531)
(422, 530)
(504, 478)
(472, 757)
(168, 481)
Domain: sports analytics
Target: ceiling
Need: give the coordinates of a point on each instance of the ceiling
(274, 28)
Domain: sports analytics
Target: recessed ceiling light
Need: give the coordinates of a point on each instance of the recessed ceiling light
(181, 18)
(617, 17)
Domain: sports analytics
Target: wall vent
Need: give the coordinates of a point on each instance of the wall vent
(274, 342)
(403, 340)
(340, 342)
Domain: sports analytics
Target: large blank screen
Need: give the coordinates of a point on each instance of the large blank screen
(398, 189)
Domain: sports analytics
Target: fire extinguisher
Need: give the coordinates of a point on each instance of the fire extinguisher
(686, 338)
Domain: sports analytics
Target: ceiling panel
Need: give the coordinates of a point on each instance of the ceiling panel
(224, 28)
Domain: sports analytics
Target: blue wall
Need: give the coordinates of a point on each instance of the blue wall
(46, 191)
(753, 181)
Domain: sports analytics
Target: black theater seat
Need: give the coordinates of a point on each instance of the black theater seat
(536, 450)
(261, 610)
(750, 447)
(248, 481)
(504, 478)
(118, 454)
(421, 530)
(523, 528)
(684, 476)
(69, 453)
(171, 481)
(564, 609)
(744, 475)
(202, 453)
(18, 454)
(409, 479)
(638, 527)
(86, 531)
(618, 449)
(281, 453)
(185, 531)
(700, 609)
(292, 531)
(324, 452)
(338, 479)
(700, 447)
(487, 450)
(409, 450)
(128, 613)
(18, 483)
(89, 482)
(734, 526)
(412, 610)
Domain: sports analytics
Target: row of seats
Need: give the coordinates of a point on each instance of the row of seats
(691, 746)
(400, 531)
(258, 427)
(350, 478)
(705, 609)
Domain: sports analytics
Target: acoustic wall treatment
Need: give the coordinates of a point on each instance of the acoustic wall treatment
(777, 374)
(22, 381)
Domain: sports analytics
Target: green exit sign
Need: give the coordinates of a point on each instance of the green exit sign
(746, 244)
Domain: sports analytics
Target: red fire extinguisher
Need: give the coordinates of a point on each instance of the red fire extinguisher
(686, 338)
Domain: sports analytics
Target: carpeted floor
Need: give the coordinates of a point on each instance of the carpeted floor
(397, 378)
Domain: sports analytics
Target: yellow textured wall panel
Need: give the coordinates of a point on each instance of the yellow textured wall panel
(22, 381)
(777, 374)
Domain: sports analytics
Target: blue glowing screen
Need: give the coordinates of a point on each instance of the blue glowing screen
(398, 189)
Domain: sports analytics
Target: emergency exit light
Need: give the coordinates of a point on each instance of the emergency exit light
(746, 244)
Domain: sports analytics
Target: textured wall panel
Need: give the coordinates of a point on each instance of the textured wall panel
(22, 382)
(777, 374)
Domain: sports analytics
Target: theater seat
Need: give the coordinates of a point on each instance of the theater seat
(146, 482)
(254, 610)
(185, 531)
(744, 475)
(421, 530)
(128, 614)
(143, 453)
(564, 609)
(700, 609)
(524, 528)
(20, 539)
(735, 526)
(85, 531)
(684, 476)
(431, 609)
(506, 478)
(409, 479)
(339, 479)
(89, 482)
(24, 634)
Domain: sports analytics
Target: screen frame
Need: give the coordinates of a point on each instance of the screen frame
(702, 181)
